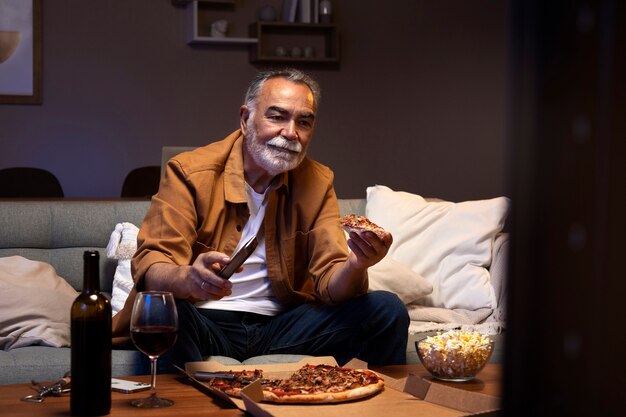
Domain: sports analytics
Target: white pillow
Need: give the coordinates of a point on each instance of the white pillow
(391, 275)
(35, 304)
(448, 243)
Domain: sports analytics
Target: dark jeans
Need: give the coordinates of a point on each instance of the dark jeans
(372, 327)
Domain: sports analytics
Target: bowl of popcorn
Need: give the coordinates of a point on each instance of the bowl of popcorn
(455, 355)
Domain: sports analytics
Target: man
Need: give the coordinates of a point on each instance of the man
(302, 291)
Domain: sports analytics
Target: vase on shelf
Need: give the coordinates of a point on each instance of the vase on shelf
(326, 11)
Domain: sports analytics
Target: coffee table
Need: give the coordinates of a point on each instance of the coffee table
(190, 401)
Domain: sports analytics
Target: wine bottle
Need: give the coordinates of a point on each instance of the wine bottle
(91, 345)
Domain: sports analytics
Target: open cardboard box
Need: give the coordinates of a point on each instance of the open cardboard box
(411, 396)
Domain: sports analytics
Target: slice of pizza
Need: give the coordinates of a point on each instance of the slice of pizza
(356, 223)
(236, 380)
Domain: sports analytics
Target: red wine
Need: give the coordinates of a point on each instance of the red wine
(91, 345)
(154, 340)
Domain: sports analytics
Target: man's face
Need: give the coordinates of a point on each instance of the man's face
(278, 131)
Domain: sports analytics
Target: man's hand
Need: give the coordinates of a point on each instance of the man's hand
(367, 248)
(199, 280)
(203, 281)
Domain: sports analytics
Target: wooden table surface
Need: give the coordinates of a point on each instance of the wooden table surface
(190, 401)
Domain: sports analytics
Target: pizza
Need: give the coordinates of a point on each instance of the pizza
(309, 384)
(356, 223)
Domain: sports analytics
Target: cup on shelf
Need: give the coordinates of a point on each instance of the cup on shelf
(280, 51)
(296, 52)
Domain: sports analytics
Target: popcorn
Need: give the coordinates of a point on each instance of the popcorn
(455, 354)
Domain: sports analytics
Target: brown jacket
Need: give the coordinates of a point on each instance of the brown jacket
(201, 206)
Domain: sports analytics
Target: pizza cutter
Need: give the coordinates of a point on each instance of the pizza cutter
(206, 375)
(211, 375)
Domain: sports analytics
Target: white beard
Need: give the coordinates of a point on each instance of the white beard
(276, 156)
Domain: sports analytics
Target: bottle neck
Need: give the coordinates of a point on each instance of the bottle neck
(91, 273)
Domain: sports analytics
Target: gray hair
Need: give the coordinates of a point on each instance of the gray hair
(290, 74)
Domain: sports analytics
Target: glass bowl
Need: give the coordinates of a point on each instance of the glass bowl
(455, 355)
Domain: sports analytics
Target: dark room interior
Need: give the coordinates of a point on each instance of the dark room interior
(454, 99)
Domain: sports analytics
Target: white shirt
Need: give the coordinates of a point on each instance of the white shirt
(251, 291)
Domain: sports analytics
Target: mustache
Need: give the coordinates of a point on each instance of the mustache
(284, 143)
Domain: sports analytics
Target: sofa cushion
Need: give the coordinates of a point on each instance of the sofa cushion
(35, 304)
(43, 363)
(448, 243)
(391, 275)
(58, 232)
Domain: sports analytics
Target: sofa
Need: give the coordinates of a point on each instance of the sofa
(57, 232)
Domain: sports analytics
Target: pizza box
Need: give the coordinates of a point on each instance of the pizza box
(409, 396)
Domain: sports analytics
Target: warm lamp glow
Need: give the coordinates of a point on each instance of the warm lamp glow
(8, 44)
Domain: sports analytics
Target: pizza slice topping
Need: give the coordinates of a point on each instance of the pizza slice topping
(356, 223)
(325, 378)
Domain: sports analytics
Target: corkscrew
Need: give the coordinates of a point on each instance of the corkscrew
(60, 387)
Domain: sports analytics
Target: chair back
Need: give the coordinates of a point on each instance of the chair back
(142, 182)
(28, 182)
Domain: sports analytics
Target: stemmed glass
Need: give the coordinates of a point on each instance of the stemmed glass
(153, 329)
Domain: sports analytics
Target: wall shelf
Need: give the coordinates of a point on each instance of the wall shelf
(222, 41)
(199, 23)
(200, 15)
(186, 2)
(323, 38)
(264, 39)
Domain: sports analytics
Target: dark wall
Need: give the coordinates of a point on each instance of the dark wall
(418, 102)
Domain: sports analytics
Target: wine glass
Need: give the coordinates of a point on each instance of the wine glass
(153, 329)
